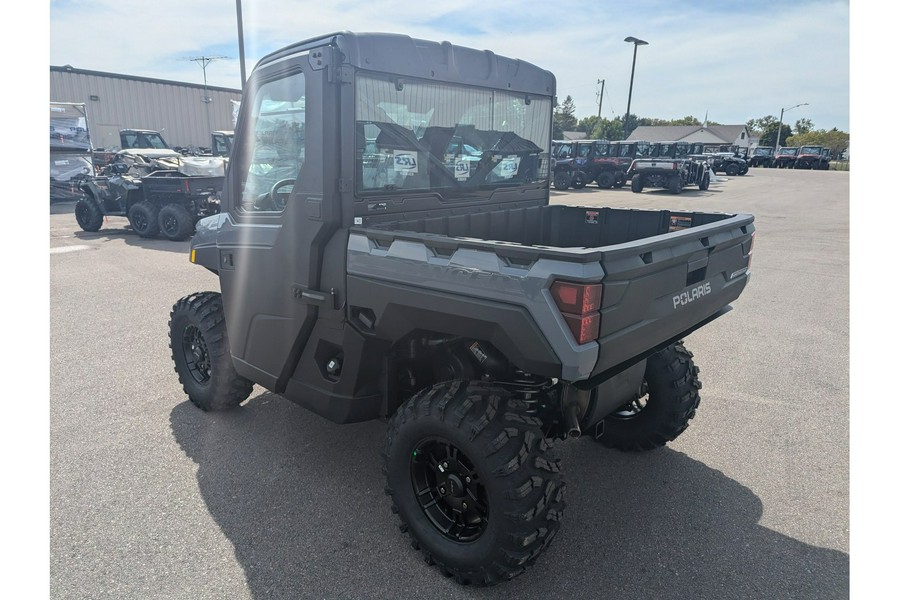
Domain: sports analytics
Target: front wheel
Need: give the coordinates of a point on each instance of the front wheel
(704, 182)
(605, 180)
(88, 214)
(661, 409)
(199, 344)
(579, 180)
(731, 170)
(474, 482)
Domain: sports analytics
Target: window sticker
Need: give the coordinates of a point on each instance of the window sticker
(461, 169)
(509, 166)
(406, 162)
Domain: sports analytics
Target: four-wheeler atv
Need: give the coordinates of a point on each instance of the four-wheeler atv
(671, 168)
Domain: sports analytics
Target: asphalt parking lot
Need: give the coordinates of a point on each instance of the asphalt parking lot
(151, 498)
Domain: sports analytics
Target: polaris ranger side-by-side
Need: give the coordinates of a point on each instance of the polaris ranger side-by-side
(386, 249)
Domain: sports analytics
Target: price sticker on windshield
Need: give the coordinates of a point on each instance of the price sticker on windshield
(509, 166)
(461, 169)
(406, 162)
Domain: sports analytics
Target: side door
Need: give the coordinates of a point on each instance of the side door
(274, 229)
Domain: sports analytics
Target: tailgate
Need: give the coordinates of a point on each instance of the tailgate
(660, 288)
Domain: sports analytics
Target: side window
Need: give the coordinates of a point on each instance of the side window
(276, 144)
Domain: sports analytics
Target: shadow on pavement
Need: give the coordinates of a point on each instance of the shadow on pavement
(115, 228)
(302, 501)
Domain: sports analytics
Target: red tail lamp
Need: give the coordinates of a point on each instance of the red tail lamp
(579, 304)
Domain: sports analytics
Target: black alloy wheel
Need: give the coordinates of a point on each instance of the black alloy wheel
(198, 340)
(449, 490)
(473, 480)
(196, 354)
(144, 218)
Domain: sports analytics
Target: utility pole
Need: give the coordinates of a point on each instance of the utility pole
(204, 62)
(602, 83)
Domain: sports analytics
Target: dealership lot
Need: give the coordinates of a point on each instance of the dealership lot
(151, 498)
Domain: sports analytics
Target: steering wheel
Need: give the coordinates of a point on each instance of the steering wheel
(278, 197)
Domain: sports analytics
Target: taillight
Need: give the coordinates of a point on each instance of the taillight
(579, 304)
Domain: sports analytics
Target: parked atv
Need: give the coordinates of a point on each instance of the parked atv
(763, 156)
(812, 157)
(785, 157)
(159, 191)
(672, 168)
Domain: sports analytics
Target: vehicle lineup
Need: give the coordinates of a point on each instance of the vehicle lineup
(385, 248)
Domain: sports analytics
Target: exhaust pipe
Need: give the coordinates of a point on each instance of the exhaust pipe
(570, 417)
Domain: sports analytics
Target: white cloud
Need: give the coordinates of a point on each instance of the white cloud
(736, 60)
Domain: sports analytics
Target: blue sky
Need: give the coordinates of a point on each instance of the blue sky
(732, 60)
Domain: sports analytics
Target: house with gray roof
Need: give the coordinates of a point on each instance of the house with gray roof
(732, 135)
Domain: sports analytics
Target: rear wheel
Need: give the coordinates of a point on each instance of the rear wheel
(199, 344)
(88, 214)
(661, 410)
(474, 482)
(561, 181)
(175, 222)
(731, 170)
(675, 185)
(144, 218)
(637, 185)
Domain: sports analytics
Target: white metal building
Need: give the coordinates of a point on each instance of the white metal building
(115, 102)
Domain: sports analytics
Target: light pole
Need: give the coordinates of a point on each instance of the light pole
(240, 27)
(602, 83)
(780, 119)
(636, 43)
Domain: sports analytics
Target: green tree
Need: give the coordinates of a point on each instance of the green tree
(607, 129)
(587, 124)
(770, 133)
(838, 141)
(803, 126)
(564, 118)
(758, 126)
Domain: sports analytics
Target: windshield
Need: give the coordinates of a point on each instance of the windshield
(143, 139)
(762, 152)
(811, 150)
(789, 151)
(413, 135)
